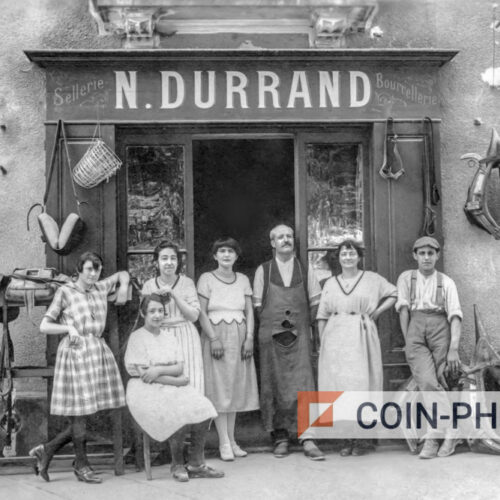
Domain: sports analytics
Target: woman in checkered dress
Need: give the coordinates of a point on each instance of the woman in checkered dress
(86, 377)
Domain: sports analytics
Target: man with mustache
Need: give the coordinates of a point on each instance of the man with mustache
(286, 301)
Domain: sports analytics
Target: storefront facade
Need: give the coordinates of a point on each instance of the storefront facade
(231, 141)
(219, 142)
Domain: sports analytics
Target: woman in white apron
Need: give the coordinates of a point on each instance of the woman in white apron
(350, 358)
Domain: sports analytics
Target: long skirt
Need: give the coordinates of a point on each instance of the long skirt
(350, 358)
(161, 410)
(189, 339)
(86, 378)
(230, 382)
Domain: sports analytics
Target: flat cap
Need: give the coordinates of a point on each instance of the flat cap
(426, 241)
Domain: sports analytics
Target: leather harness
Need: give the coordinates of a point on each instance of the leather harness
(476, 206)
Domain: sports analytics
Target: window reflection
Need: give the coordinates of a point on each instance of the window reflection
(155, 203)
(334, 194)
(334, 202)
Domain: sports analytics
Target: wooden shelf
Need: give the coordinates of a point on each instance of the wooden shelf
(32, 371)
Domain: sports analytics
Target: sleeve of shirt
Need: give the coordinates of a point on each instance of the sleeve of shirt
(325, 307)
(204, 286)
(403, 290)
(108, 284)
(386, 289)
(452, 302)
(313, 287)
(190, 295)
(135, 355)
(149, 287)
(247, 289)
(57, 305)
(258, 287)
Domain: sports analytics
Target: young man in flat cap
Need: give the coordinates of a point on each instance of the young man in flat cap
(431, 321)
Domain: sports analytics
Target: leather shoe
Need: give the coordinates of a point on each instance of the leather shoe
(179, 473)
(448, 447)
(311, 451)
(346, 450)
(281, 449)
(96, 472)
(226, 453)
(430, 449)
(42, 461)
(237, 451)
(358, 451)
(203, 471)
(86, 475)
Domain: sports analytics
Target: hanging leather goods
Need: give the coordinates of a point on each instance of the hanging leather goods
(392, 164)
(431, 192)
(63, 240)
(476, 206)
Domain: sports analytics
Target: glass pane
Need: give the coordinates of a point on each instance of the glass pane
(155, 202)
(155, 195)
(334, 194)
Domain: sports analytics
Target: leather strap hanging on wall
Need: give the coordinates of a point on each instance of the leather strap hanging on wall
(392, 164)
(63, 240)
(476, 206)
(431, 192)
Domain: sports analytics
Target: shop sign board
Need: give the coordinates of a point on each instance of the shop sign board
(179, 91)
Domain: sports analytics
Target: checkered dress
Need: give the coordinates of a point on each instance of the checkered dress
(86, 378)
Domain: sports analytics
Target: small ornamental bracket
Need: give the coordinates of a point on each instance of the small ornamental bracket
(331, 25)
(136, 25)
(143, 23)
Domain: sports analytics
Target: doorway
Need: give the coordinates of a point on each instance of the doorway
(241, 188)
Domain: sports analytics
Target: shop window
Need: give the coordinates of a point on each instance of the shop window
(155, 203)
(334, 201)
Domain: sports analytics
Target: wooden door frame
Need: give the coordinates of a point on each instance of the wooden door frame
(299, 132)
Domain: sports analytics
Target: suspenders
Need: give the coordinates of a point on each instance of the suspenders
(439, 291)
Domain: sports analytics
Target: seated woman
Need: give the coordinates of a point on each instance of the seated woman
(158, 394)
(228, 323)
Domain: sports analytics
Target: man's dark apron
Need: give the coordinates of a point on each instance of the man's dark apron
(285, 348)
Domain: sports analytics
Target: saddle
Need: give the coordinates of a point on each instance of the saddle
(476, 207)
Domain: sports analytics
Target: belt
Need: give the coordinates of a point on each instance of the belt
(353, 313)
(429, 311)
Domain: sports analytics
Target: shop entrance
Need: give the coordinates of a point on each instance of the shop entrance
(241, 188)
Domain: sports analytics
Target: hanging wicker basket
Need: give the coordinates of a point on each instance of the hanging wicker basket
(98, 164)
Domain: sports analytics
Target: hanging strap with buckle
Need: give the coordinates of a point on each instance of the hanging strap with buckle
(431, 192)
(392, 164)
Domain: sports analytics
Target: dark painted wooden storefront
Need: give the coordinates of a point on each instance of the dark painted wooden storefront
(218, 142)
